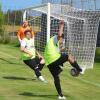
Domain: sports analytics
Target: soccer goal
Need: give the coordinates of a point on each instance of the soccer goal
(80, 31)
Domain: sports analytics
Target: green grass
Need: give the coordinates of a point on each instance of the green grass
(17, 81)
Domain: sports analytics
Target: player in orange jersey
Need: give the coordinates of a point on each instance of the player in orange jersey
(25, 26)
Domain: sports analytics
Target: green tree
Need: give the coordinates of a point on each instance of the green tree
(13, 17)
(1, 24)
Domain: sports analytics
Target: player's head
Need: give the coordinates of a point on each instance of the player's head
(25, 23)
(27, 34)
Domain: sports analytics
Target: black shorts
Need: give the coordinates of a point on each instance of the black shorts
(54, 67)
(33, 62)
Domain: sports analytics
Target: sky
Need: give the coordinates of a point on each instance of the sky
(18, 4)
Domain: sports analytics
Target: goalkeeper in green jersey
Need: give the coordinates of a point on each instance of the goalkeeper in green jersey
(54, 58)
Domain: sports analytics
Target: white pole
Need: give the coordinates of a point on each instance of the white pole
(24, 15)
(48, 22)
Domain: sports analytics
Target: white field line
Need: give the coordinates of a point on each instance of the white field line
(90, 82)
(83, 80)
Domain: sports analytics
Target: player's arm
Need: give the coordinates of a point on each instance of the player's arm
(19, 38)
(18, 35)
(61, 36)
(42, 61)
(61, 28)
(38, 54)
(33, 33)
(23, 49)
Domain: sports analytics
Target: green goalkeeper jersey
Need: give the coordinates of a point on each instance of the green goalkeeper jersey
(52, 52)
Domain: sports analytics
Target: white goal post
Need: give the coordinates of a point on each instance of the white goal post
(80, 31)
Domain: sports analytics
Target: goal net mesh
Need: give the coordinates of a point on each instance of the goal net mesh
(80, 30)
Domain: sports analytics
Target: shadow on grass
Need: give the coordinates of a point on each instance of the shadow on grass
(17, 78)
(10, 62)
(39, 95)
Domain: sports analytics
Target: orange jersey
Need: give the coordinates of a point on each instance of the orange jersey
(22, 30)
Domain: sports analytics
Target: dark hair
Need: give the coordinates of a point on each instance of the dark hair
(27, 31)
(62, 36)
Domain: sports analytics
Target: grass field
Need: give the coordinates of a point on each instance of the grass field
(17, 81)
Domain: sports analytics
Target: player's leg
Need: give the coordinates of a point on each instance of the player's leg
(57, 85)
(40, 62)
(65, 57)
(33, 65)
(74, 63)
(55, 71)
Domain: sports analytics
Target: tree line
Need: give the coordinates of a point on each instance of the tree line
(10, 17)
(13, 17)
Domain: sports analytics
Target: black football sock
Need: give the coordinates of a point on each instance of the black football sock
(75, 64)
(41, 66)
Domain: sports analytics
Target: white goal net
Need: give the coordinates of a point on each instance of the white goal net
(80, 31)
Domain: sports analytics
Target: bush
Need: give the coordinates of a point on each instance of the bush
(97, 54)
(4, 37)
(14, 41)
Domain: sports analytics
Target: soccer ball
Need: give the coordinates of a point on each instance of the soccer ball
(74, 72)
